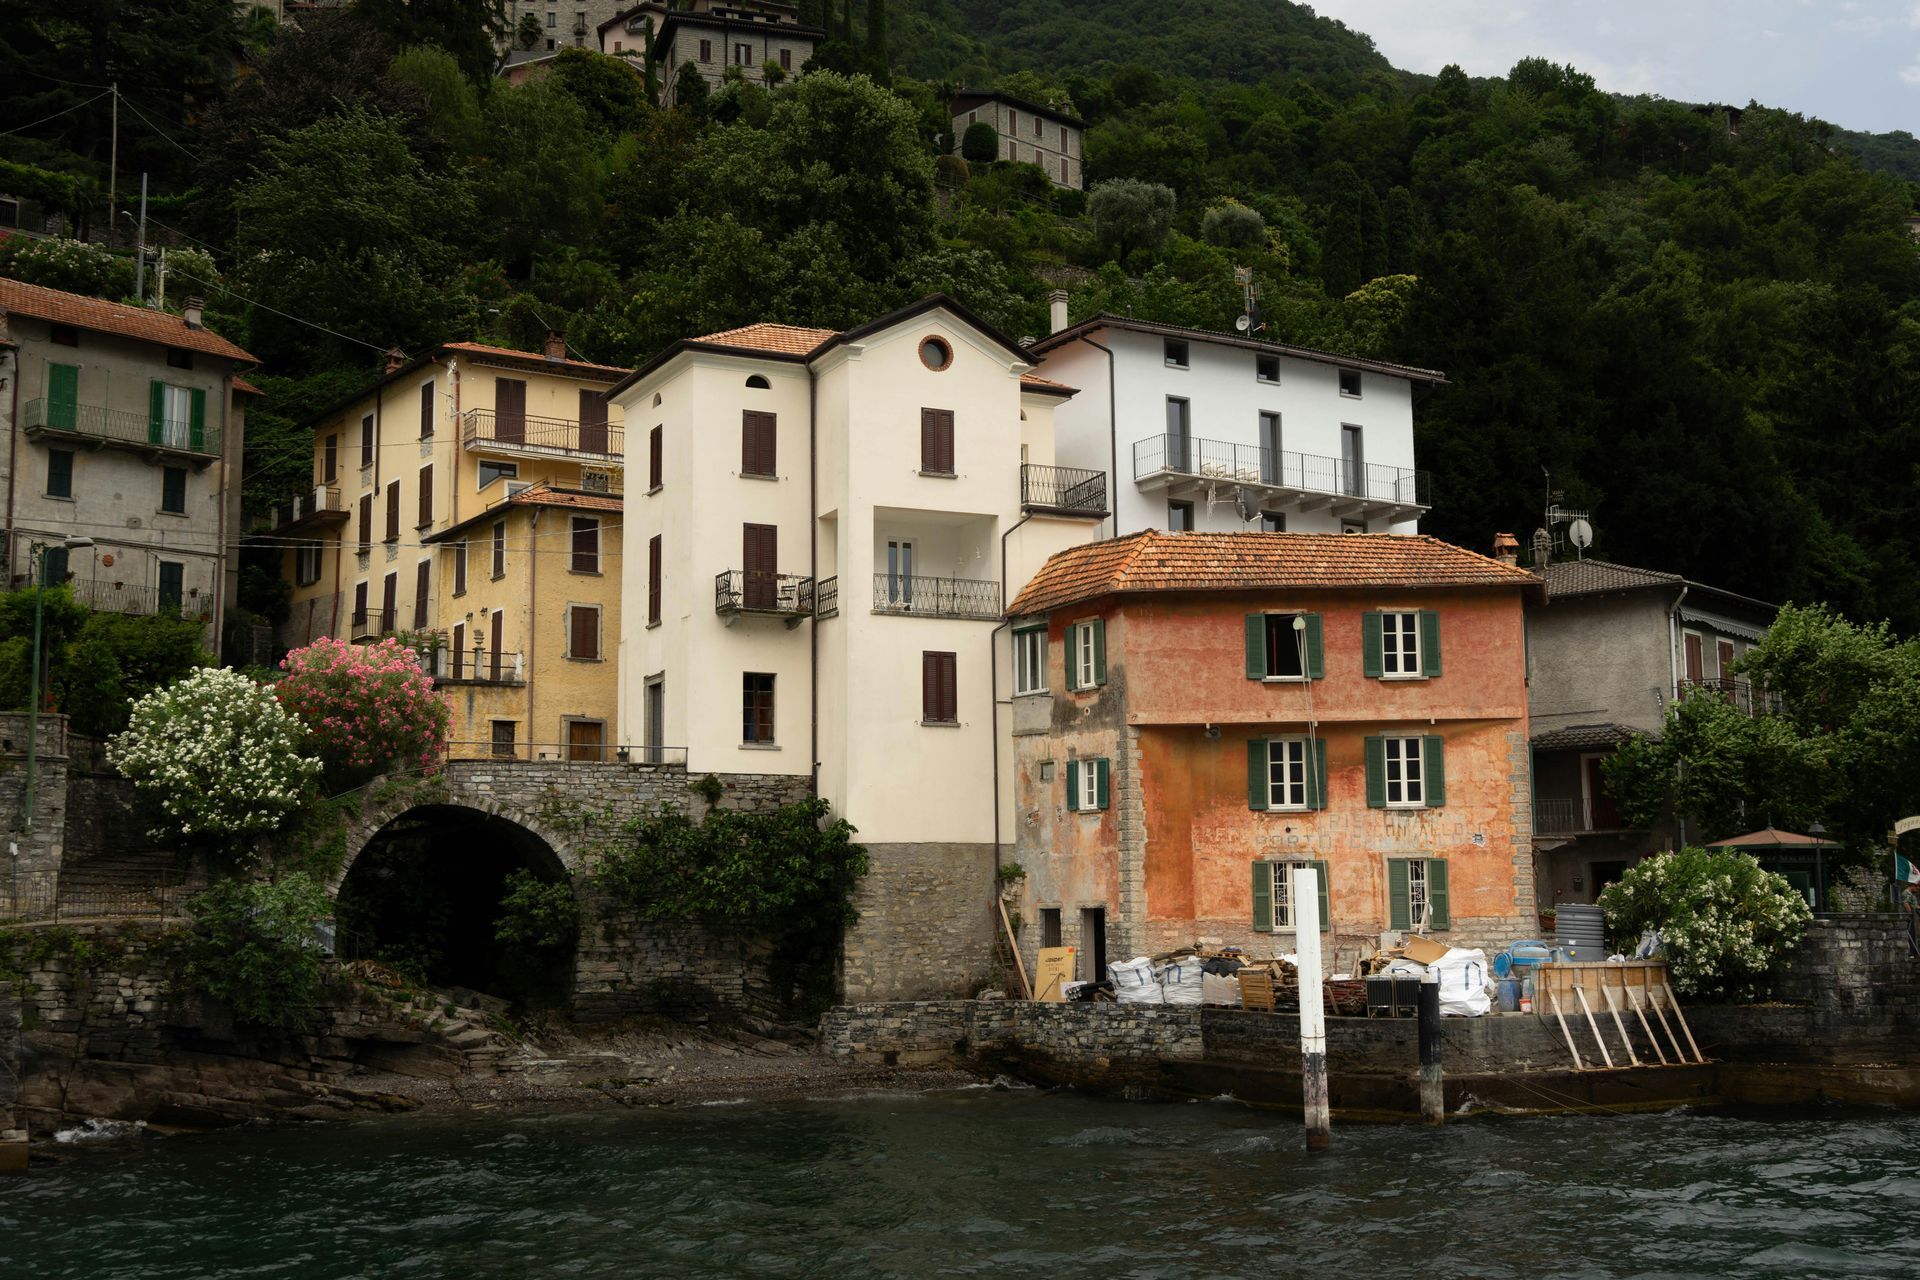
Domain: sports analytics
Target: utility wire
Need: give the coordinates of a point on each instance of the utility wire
(55, 116)
(233, 293)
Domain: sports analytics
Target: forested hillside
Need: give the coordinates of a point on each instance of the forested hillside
(1711, 341)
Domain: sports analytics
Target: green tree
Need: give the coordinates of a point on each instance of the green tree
(470, 30)
(980, 144)
(252, 946)
(1128, 214)
(1232, 225)
(691, 91)
(538, 180)
(529, 33)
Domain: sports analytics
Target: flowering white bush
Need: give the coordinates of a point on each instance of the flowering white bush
(219, 753)
(1723, 920)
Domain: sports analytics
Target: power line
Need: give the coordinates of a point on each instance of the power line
(55, 116)
(156, 128)
(233, 293)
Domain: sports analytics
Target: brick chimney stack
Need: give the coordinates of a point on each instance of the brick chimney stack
(1542, 549)
(1506, 549)
(191, 312)
(556, 345)
(395, 358)
(1057, 310)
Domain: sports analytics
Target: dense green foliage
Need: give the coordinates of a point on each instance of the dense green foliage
(252, 948)
(1712, 341)
(95, 664)
(1722, 920)
(1842, 749)
(540, 915)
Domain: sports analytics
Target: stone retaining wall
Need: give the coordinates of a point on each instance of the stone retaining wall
(1854, 961)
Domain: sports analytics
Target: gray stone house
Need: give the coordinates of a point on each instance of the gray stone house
(123, 425)
(713, 35)
(1028, 133)
(1608, 653)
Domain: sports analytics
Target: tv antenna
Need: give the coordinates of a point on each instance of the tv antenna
(1577, 524)
(1249, 319)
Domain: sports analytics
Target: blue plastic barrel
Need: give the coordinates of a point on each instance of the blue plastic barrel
(1509, 994)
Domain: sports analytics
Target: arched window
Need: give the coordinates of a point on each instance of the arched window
(656, 399)
(758, 382)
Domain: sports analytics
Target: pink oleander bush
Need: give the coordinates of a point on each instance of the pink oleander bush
(369, 709)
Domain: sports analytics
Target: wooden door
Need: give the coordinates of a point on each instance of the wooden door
(509, 410)
(593, 422)
(1695, 665)
(586, 740)
(1602, 813)
(760, 559)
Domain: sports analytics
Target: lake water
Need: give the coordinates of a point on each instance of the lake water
(983, 1183)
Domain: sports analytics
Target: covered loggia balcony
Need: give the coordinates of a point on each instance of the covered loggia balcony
(1192, 468)
(935, 565)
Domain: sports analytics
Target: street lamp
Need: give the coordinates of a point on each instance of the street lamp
(36, 564)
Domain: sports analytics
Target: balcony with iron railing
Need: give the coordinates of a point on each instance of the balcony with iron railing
(489, 431)
(1071, 491)
(475, 664)
(137, 598)
(1183, 466)
(750, 591)
(113, 428)
(319, 505)
(369, 624)
(826, 598)
(1745, 695)
(927, 597)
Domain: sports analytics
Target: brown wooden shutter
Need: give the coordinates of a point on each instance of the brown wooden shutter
(757, 443)
(500, 549)
(460, 567)
(366, 521)
(593, 422)
(331, 470)
(426, 494)
(653, 458)
(584, 625)
(393, 511)
(366, 441)
(426, 410)
(389, 602)
(936, 440)
(653, 578)
(939, 695)
(420, 597)
(760, 559)
(459, 650)
(510, 410)
(586, 545)
(359, 605)
(499, 628)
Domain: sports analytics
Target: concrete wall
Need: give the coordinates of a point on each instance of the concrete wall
(30, 874)
(1599, 660)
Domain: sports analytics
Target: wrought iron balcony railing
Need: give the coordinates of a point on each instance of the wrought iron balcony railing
(936, 597)
(1167, 458)
(1743, 694)
(474, 665)
(126, 430)
(1558, 817)
(786, 595)
(318, 503)
(1068, 490)
(826, 598)
(133, 597)
(496, 432)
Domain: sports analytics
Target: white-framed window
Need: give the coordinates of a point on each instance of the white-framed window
(1087, 792)
(1266, 368)
(307, 563)
(1082, 653)
(1286, 775)
(1030, 661)
(1405, 778)
(1400, 644)
(1282, 873)
(1419, 903)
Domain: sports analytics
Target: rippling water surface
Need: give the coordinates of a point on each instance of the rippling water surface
(987, 1183)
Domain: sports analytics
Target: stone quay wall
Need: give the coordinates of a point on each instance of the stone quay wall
(1856, 961)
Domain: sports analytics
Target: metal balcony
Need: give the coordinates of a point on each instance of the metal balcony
(474, 665)
(1559, 817)
(936, 597)
(110, 428)
(319, 505)
(1743, 694)
(131, 597)
(487, 431)
(1188, 468)
(1069, 491)
(826, 598)
(779, 595)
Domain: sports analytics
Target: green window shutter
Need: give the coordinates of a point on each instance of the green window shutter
(1099, 651)
(1072, 658)
(1326, 913)
(197, 423)
(1437, 917)
(1376, 773)
(1316, 661)
(63, 396)
(1373, 664)
(1429, 642)
(1433, 769)
(156, 411)
(1399, 897)
(1073, 785)
(1256, 646)
(1317, 776)
(1257, 788)
(1101, 778)
(1263, 897)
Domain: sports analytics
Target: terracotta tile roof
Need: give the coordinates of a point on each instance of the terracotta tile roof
(246, 388)
(1597, 577)
(508, 353)
(102, 316)
(1152, 561)
(1034, 382)
(1582, 736)
(781, 339)
(545, 495)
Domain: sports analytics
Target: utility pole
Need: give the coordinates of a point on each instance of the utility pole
(37, 573)
(1433, 1088)
(113, 165)
(1317, 1113)
(140, 253)
(162, 274)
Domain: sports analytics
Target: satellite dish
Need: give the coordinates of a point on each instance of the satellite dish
(1247, 501)
(1243, 323)
(1580, 534)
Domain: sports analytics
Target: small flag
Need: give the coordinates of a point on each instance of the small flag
(1905, 870)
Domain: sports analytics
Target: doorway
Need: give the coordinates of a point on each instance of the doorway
(1093, 944)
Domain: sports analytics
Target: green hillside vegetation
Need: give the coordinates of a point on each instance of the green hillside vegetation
(1712, 342)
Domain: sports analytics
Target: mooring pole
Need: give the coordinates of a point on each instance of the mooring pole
(1317, 1113)
(1433, 1087)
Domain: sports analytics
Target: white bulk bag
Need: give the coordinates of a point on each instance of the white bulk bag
(1134, 983)
(1181, 981)
(1463, 983)
(1215, 989)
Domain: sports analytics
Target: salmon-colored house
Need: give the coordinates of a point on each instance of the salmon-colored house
(1196, 713)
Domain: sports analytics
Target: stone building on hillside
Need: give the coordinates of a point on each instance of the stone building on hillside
(1196, 715)
(713, 35)
(1025, 133)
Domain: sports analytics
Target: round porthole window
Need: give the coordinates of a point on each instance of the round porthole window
(935, 353)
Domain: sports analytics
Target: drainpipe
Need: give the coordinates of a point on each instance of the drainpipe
(1673, 678)
(220, 551)
(813, 569)
(453, 377)
(993, 683)
(1113, 439)
(533, 624)
(13, 450)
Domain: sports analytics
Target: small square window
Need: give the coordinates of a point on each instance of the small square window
(504, 733)
(1273, 521)
(63, 335)
(1180, 517)
(1266, 368)
(490, 471)
(179, 358)
(1353, 526)
(1286, 646)
(1350, 383)
(1176, 353)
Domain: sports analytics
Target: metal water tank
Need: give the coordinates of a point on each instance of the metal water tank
(1582, 930)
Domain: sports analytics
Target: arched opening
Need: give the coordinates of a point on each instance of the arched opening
(427, 896)
(758, 382)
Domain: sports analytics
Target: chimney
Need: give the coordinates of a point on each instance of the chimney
(1057, 310)
(1542, 549)
(395, 358)
(191, 312)
(556, 345)
(1506, 549)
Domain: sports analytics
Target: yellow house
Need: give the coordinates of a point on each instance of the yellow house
(470, 501)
